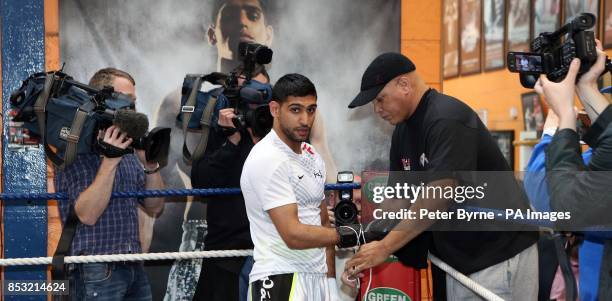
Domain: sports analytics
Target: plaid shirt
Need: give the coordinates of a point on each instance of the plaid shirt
(116, 230)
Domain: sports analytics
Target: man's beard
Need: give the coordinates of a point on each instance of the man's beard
(293, 136)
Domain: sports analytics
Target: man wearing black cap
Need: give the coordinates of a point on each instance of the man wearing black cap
(438, 133)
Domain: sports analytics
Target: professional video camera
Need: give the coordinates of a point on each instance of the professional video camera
(552, 52)
(199, 109)
(345, 210)
(66, 115)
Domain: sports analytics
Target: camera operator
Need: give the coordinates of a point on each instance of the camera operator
(228, 226)
(107, 225)
(583, 190)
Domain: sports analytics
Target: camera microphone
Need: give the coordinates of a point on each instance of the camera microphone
(134, 124)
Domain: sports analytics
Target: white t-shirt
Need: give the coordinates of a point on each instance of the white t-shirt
(273, 175)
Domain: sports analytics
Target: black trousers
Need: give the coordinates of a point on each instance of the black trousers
(219, 280)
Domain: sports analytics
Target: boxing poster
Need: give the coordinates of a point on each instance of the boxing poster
(546, 16)
(494, 21)
(607, 24)
(518, 25)
(470, 36)
(160, 41)
(450, 38)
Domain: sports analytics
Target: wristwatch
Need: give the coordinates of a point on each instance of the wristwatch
(151, 171)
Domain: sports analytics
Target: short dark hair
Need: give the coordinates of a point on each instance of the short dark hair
(292, 84)
(265, 7)
(104, 77)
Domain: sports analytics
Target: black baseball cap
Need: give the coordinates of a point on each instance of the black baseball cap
(381, 70)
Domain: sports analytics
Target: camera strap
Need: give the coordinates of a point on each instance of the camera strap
(571, 290)
(72, 138)
(205, 122)
(58, 267)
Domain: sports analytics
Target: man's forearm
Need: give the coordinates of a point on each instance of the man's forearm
(330, 251)
(594, 102)
(153, 206)
(304, 236)
(92, 202)
(408, 229)
(330, 258)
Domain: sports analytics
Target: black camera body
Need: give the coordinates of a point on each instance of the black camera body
(345, 210)
(250, 101)
(552, 53)
(49, 105)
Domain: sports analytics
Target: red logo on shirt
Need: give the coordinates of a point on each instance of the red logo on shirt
(406, 163)
(308, 149)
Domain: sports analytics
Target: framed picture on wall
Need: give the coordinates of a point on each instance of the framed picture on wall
(471, 24)
(546, 16)
(607, 24)
(533, 112)
(605, 81)
(494, 12)
(504, 140)
(519, 14)
(575, 7)
(450, 38)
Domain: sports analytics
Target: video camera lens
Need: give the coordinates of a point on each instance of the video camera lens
(254, 52)
(346, 211)
(156, 145)
(260, 120)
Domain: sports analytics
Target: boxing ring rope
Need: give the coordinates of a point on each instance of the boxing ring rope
(12, 196)
(127, 257)
(466, 281)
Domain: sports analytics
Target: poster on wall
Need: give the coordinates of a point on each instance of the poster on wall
(575, 7)
(505, 141)
(494, 21)
(607, 24)
(546, 16)
(605, 82)
(470, 36)
(330, 42)
(533, 112)
(450, 38)
(518, 25)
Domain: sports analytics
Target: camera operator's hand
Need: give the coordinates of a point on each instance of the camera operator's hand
(114, 137)
(560, 96)
(589, 79)
(225, 120)
(587, 89)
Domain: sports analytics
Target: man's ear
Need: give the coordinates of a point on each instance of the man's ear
(404, 83)
(269, 35)
(274, 108)
(212, 37)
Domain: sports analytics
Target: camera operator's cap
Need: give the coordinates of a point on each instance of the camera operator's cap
(381, 70)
